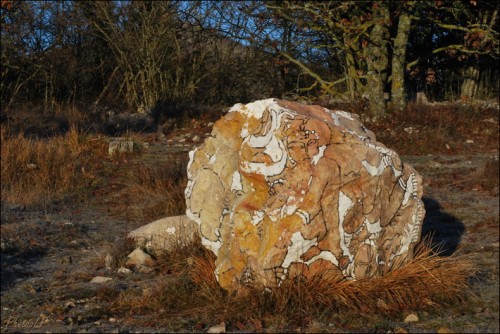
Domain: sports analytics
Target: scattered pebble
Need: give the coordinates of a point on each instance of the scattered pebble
(123, 270)
(444, 330)
(100, 279)
(109, 260)
(138, 257)
(145, 269)
(469, 141)
(434, 164)
(66, 260)
(220, 328)
(412, 317)
(408, 130)
(196, 138)
(69, 305)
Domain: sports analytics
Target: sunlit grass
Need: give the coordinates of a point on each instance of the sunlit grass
(191, 291)
(37, 171)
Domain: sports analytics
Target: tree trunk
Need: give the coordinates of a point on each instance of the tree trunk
(471, 79)
(398, 60)
(355, 86)
(377, 59)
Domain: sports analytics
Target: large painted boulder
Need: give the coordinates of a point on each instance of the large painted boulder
(280, 189)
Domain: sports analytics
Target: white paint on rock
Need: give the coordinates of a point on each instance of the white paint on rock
(319, 155)
(191, 159)
(273, 146)
(333, 115)
(255, 109)
(214, 246)
(345, 203)
(373, 170)
(304, 215)
(324, 255)
(257, 217)
(373, 228)
(409, 188)
(236, 184)
(344, 114)
(298, 248)
(194, 217)
(213, 158)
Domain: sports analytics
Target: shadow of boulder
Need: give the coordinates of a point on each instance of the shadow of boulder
(442, 230)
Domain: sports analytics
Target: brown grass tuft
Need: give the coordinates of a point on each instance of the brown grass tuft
(441, 129)
(158, 190)
(191, 291)
(428, 280)
(37, 171)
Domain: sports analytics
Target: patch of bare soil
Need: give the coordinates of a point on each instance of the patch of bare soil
(49, 256)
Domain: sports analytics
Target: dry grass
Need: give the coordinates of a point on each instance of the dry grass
(439, 129)
(184, 295)
(189, 290)
(490, 175)
(37, 171)
(163, 186)
(147, 192)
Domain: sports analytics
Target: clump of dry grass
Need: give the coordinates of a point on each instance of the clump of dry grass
(158, 190)
(37, 171)
(191, 291)
(489, 177)
(441, 129)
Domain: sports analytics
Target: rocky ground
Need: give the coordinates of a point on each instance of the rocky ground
(50, 256)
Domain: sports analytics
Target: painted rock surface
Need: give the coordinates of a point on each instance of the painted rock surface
(281, 189)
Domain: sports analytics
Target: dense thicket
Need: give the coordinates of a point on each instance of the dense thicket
(137, 54)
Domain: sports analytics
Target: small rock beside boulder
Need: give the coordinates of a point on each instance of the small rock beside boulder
(220, 328)
(412, 317)
(139, 258)
(165, 234)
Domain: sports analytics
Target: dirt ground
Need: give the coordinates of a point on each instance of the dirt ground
(45, 285)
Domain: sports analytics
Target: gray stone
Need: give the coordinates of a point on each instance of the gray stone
(120, 145)
(109, 261)
(123, 270)
(165, 234)
(139, 258)
(220, 328)
(412, 317)
(100, 280)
